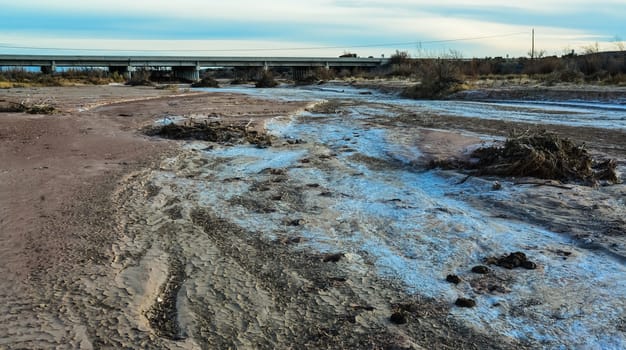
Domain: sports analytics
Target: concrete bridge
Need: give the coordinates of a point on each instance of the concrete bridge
(185, 67)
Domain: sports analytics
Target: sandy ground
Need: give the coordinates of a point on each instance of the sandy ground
(99, 251)
(57, 178)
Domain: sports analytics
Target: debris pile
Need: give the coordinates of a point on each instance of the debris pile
(25, 107)
(543, 155)
(213, 131)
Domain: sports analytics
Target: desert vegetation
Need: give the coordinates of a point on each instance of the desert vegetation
(18, 77)
(589, 67)
(441, 76)
(438, 78)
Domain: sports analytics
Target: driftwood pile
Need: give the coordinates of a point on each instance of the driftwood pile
(213, 131)
(30, 108)
(543, 155)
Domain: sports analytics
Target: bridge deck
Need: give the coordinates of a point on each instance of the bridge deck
(186, 61)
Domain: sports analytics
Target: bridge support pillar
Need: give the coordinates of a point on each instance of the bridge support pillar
(49, 69)
(187, 73)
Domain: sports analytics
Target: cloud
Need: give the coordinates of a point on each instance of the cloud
(191, 9)
(551, 39)
(37, 44)
(283, 23)
(558, 7)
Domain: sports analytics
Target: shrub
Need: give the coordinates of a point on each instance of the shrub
(439, 78)
(400, 57)
(616, 79)
(322, 73)
(140, 77)
(544, 65)
(206, 82)
(266, 80)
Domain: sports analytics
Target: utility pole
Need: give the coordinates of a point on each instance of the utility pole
(532, 49)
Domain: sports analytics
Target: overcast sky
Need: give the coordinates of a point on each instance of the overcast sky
(476, 28)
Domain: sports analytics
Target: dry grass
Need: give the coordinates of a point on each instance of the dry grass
(13, 78)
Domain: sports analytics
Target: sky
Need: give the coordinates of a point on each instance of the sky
(321, 28)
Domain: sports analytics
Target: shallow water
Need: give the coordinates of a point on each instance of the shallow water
(414, 226)
(574, 113)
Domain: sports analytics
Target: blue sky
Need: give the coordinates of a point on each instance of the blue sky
(308, 28)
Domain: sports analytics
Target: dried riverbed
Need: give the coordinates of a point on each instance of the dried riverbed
(340, 223)
(337, 234)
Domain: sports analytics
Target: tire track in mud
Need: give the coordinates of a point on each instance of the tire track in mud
(163, 314)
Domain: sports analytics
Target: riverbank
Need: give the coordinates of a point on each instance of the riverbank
(338, 235)
(520, 88)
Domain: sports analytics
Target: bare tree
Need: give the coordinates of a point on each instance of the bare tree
(619, 43)
(537, 54)
(591, 49)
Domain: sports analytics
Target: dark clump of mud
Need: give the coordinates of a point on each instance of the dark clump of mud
(398, 317)
(465, 302)
(453, 279)
(543, 155)
(332, 257)
(480, 269)
(213, 131)
(511, 261)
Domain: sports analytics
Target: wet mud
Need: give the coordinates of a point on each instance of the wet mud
(338, 234)
(272, 213)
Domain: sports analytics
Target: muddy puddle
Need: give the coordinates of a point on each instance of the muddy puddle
(347, 183)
